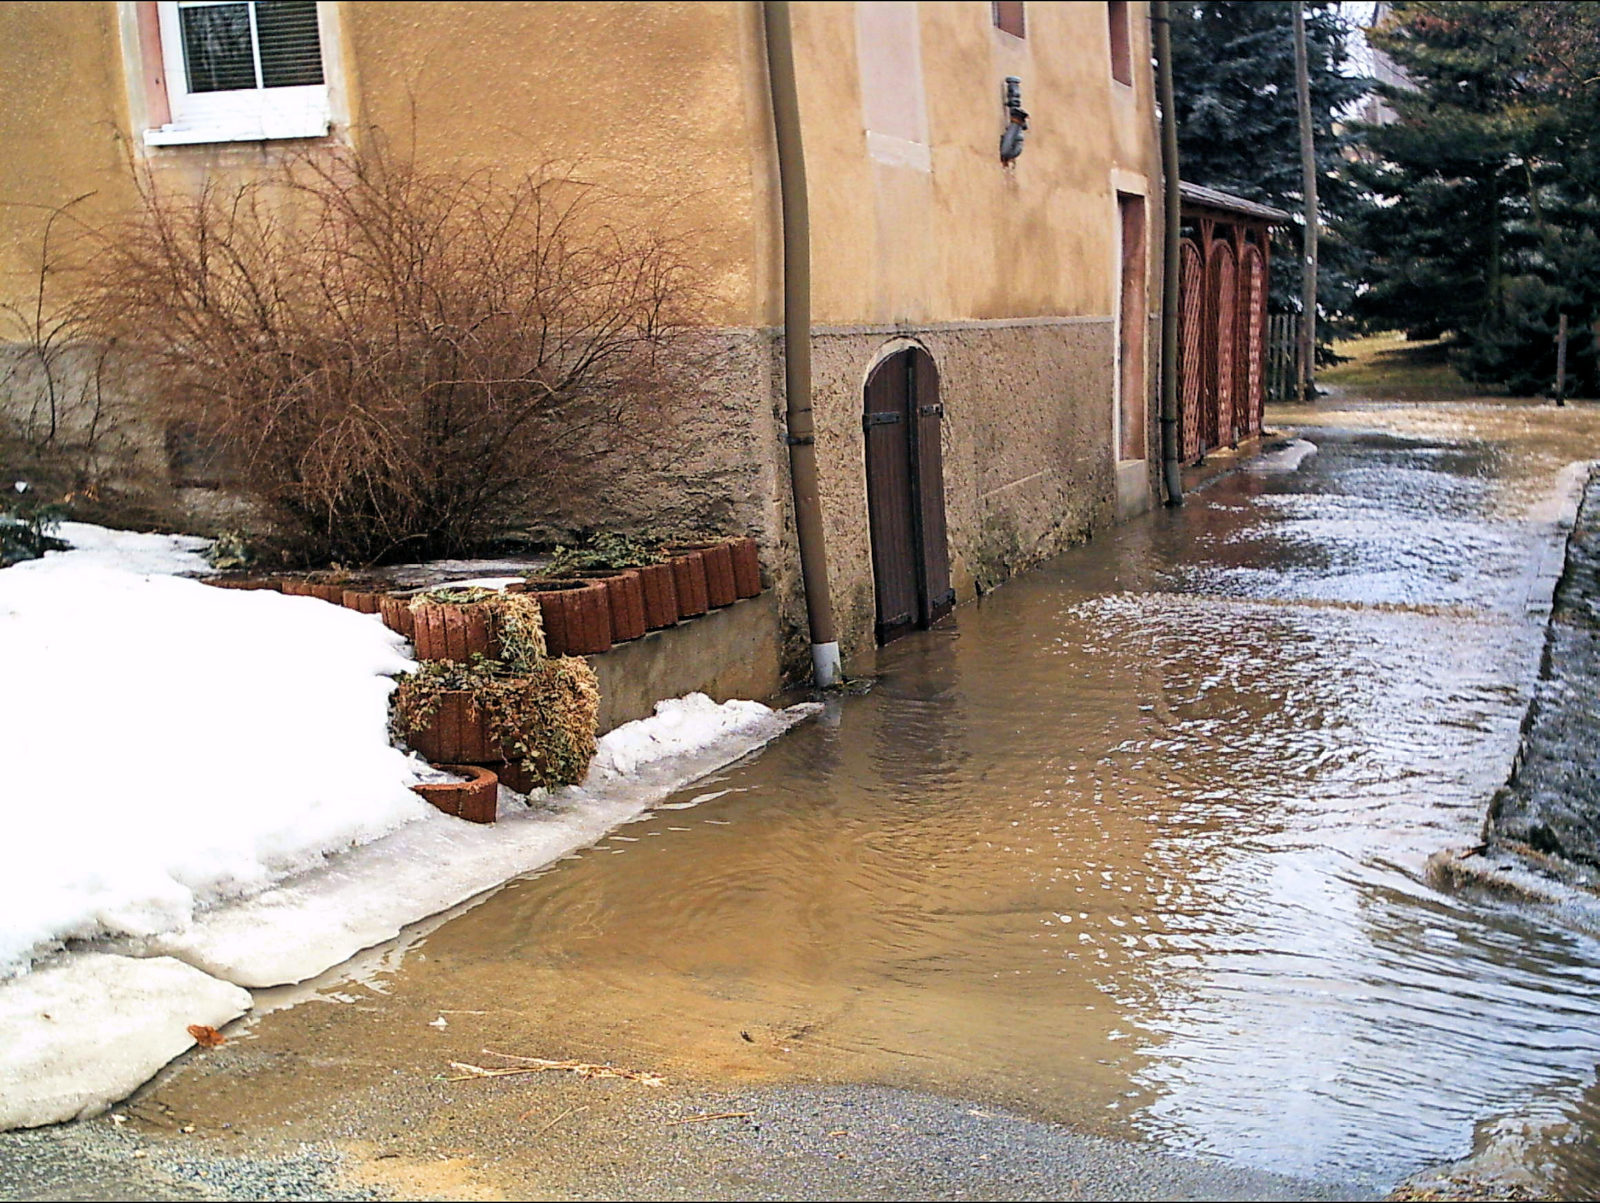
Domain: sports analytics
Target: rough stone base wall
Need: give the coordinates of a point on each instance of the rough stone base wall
(81, 426)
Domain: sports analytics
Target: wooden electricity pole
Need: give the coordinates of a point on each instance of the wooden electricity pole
(1308, 188)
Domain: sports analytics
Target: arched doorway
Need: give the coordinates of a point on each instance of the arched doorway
(1191, 347)
(901, 417)
(1221, 426)
(1252, 390)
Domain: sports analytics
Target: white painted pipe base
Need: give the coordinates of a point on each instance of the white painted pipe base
(825, 667)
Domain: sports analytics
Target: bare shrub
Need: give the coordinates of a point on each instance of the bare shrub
(397, 360)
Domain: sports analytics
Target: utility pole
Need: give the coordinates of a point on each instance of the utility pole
(1308, 189)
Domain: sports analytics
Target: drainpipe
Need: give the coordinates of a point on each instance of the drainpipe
(797, 344)
(1171, 208)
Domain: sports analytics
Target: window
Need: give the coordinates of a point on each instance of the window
(1009, 17)
(1121, 47)
(240, 70)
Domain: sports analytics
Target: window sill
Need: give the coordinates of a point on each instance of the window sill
(168, 135)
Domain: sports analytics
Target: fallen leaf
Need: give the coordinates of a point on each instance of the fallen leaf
(207, 1037)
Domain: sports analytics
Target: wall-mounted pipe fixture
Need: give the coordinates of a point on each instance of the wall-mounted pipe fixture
(1016, 120)
(825, 664)
(1171, 209)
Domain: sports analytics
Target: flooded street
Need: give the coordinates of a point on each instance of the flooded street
(1135, 844)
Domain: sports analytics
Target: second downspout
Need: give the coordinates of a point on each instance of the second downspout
(1172, 206)
(825, 664)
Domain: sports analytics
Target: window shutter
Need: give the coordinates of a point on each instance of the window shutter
(291, 54)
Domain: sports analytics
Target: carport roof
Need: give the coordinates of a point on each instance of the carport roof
(1198, 196)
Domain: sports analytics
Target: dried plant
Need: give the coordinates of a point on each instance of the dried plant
(544, 715)
(397, 360)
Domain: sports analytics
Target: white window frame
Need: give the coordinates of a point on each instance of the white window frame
(245, 115)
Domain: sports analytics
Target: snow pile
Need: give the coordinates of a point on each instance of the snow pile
(680, 726)
(165, 745)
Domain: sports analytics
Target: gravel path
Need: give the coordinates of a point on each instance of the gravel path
(623, 1141)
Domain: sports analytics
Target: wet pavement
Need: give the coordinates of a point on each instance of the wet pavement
(1134, 845)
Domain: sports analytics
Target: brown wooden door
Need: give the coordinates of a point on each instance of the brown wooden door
(1221, 423)
(905, 493)
(1191, 346)
(1253, 338)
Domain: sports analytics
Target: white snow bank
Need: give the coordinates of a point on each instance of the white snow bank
(165, 745)
(127, 551)
(304, 926)
(77, 1036)
(1286, 458)
(679, 726)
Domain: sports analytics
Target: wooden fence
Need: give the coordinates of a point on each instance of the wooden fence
(1283, 357)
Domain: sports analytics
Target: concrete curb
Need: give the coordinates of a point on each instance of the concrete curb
(1505, 869)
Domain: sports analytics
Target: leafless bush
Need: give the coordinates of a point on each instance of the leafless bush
(60, 421)
(396, 360)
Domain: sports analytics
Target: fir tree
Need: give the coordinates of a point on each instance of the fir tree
(1233, 75)
(1488, 226)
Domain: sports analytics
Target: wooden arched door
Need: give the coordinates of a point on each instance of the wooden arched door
(902, 416)
(1191, 345)
(1221, 423)
(1253, 338)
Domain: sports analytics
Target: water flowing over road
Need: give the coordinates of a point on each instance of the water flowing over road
(1136, 843)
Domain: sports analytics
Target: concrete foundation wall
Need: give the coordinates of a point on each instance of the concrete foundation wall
(727, 653)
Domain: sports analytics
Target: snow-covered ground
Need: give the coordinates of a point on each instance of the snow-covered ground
(205, 775)
(165, 746)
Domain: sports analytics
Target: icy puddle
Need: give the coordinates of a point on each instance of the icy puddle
(1135, 843)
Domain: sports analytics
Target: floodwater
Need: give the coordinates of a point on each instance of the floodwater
(1135, 843)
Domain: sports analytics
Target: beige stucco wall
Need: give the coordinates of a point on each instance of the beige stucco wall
(971, 239)
(1005, 274)
(63, 126)
(663, 103)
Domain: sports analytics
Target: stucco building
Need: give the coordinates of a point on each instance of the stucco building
(982, 330)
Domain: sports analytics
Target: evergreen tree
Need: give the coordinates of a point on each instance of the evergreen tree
(1488, 179)
(1233, 77)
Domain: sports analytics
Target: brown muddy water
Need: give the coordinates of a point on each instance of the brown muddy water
(1135, 843)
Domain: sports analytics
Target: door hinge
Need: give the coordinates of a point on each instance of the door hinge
(879, 419)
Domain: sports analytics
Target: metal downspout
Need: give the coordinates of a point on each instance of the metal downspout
(797, 344)
(1172, 211)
